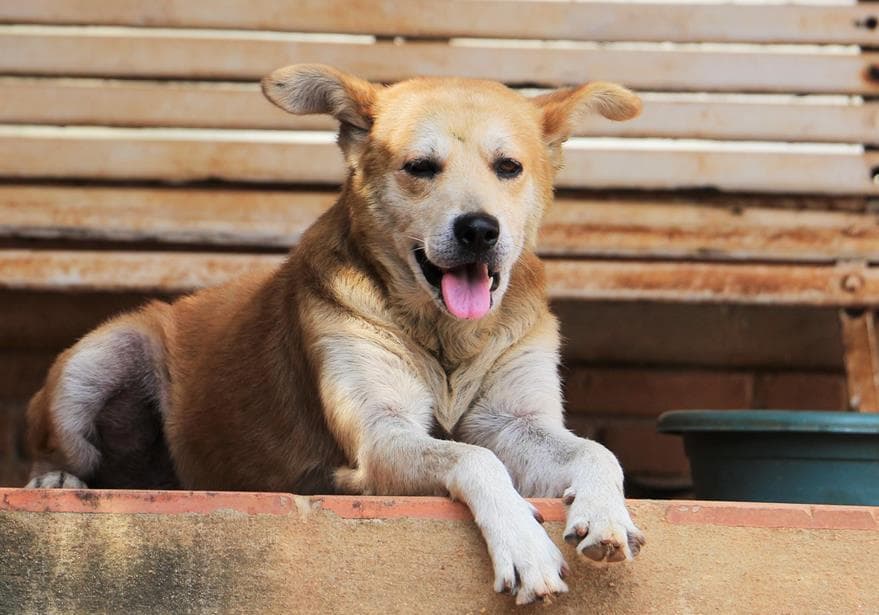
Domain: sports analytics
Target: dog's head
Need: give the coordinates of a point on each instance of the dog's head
(453, 175)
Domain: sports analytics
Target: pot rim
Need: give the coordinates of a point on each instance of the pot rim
(778, 421)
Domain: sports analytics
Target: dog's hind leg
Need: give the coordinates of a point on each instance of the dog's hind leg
(99, 417)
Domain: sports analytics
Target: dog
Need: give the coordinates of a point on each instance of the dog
(405, 347)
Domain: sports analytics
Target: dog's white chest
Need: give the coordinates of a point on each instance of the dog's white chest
(457, 394)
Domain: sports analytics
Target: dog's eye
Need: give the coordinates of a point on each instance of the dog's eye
(425, 168)
(507, 168)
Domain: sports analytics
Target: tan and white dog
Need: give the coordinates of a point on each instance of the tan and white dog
(405, 347)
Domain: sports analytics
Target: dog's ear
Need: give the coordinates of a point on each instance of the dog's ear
(316, 88)
(561, 108)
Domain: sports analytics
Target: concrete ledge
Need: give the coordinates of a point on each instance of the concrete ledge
(153, 552)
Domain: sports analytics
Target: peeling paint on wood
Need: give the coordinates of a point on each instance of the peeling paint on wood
(173, 272)
(825, 22)
(188, 104)
(861, 358)
(97, 51)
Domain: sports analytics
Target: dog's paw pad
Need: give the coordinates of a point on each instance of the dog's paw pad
(605, 550)
(615, 545)
(55, 480)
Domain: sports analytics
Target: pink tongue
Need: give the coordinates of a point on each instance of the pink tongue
(467, 291)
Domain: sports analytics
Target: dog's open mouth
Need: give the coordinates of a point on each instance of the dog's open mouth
(465, 290)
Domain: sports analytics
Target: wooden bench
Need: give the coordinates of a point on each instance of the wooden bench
(139, 157)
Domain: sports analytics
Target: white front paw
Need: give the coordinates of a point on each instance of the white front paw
(600, 526)
(526, 562)
(56, 479)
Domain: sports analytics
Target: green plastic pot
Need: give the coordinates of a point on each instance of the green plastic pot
(780, 455)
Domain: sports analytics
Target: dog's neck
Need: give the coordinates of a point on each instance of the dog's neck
(355, 272)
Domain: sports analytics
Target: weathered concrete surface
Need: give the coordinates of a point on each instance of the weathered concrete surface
(139, 552)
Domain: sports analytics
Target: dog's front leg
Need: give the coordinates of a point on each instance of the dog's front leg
(380, 412)
(519, 418)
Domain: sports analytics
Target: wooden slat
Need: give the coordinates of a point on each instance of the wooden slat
(713, 283)
(652, 228)
(861, 359)
(581, 280)
(214, 54)
(573, 227)
(117, 102)
(125, 271)
(831, 22)
(180, 216)
(179, 155)
(170, 155)
(716, 117)
(658, 165)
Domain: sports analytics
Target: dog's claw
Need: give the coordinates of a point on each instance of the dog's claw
(636, 541)
(580, 532)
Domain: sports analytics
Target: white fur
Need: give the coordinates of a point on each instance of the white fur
(520, 419)
(85, 384)
(56, 479)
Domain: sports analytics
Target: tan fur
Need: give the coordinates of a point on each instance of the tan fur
(335, 372)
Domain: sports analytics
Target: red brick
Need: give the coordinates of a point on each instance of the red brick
(751, 514)
(13, 468)
(641, 449)
(739, 514)
(648, 392)
(845, 518)
(800, 391)
(22, 373)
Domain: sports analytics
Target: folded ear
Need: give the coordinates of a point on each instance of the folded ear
(317, 88)
(561, 108)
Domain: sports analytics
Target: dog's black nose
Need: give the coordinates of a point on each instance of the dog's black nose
(477, 232)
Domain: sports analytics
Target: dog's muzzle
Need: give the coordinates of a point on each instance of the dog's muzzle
(465, 288)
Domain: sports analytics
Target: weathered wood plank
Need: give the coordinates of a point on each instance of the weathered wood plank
(653, 228)
(116, 102)
(174, 155)
(197, 216)
(714, 283)
(732, 167)
(721, 117)
(861, 359)
(846, 286)
(830, 22)
(179, 155)
(573, 227)
(132, 52)
(125, 271)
